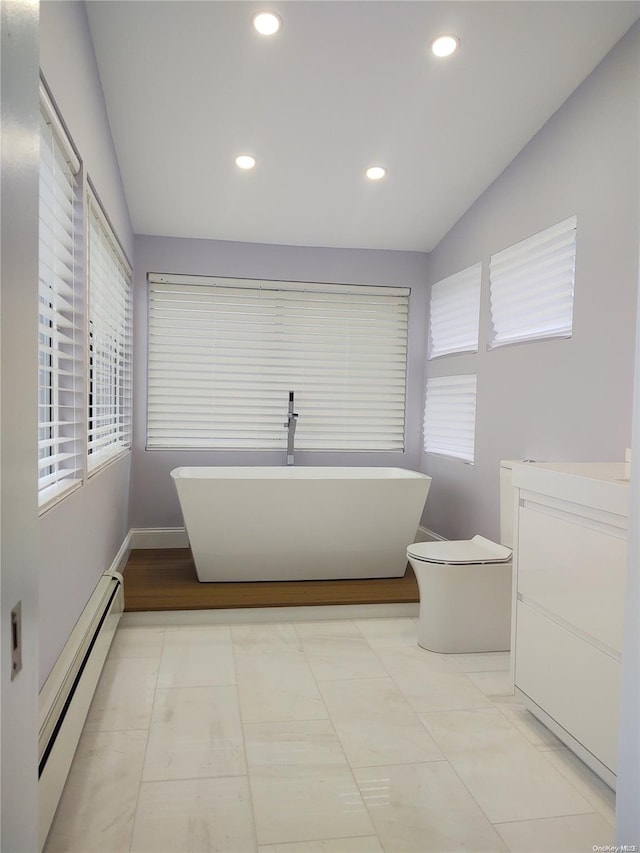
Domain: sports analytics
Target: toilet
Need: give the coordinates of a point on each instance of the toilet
(465, 587)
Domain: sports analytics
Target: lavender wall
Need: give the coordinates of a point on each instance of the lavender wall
(69, 66)
(153, 499)
(79, 538)
(566, 399)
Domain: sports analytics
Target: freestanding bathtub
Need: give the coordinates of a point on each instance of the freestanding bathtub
(304, 523)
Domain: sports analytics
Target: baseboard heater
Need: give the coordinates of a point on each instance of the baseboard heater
(68, 691)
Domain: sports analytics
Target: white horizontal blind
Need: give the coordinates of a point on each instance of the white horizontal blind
(224, 353)
(109, 415)
(60, 314)
(454, 313)
(450, 416)
(531, 287)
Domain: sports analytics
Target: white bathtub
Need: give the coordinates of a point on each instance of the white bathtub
(288, 523)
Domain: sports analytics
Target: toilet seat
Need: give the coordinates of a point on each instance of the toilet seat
(460, 552)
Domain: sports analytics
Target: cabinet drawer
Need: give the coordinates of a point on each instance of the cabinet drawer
(575, 568)
(575, 683)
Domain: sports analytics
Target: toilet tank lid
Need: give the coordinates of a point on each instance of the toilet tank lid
(460, 551)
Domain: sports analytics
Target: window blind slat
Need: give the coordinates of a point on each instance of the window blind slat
(531, 287)
(449, 417)
(60, 311)
(224, 353)
(109, 356)
(454, 313)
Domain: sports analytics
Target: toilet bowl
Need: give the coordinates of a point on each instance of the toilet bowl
(465, 595)
(465, 586)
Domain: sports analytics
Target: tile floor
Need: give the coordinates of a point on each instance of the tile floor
(318, 737)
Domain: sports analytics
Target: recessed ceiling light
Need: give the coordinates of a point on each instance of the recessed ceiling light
(375, 173)
(266, 23)
(445, 45)
(245, 161)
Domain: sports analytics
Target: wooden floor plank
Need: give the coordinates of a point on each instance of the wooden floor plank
(165, 579)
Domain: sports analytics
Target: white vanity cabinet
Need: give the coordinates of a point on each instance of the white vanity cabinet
(569, 574)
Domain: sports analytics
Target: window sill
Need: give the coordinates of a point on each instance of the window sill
(53, 496)
(107, 461)
(450, 457)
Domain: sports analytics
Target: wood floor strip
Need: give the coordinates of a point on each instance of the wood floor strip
(165, 579)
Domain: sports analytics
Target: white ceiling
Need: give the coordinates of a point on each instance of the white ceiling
(344, 85)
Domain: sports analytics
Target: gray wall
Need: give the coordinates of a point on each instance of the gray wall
(153, 499)
(18, 417)
(79, 538)
(554, 400)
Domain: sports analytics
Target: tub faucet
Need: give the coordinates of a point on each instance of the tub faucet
(292, 419)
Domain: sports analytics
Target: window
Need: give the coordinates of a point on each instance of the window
(109, 405)
(454, 313)
(531, 287)
(450, 416)
(60, 313)
(224, 353)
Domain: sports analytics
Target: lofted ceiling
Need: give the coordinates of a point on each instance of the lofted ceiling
(344, 85)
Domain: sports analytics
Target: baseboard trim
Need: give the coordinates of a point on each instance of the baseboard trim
(158, 537)
(67, 693)
(257, 615)
(176, 537)
(120, 559)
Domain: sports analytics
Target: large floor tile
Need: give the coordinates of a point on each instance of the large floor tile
(472, 730)
(301, 783)
(195, 656)
(124, 696)
(429, 682)
(195, 732)
(425, 808)
(96, 811)
(495, 685)
(483, 662)
(379, 633)
(367, 844)
(570, 834)
(194, 816)
(332, 628)
(262, 638)
(303, 746)
(408, 659)
(592, 788)
(375, 723)
(435, 758)
(277, 686)
(322, 803)
(347, 656)
(517, 783)
(137, 642)
(534, 731)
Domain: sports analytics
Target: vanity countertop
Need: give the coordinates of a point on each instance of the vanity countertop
(600, 485)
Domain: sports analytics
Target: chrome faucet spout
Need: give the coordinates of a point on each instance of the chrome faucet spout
(292, 419)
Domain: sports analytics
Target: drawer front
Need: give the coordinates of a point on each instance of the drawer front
(575, 568)
(575, 683)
